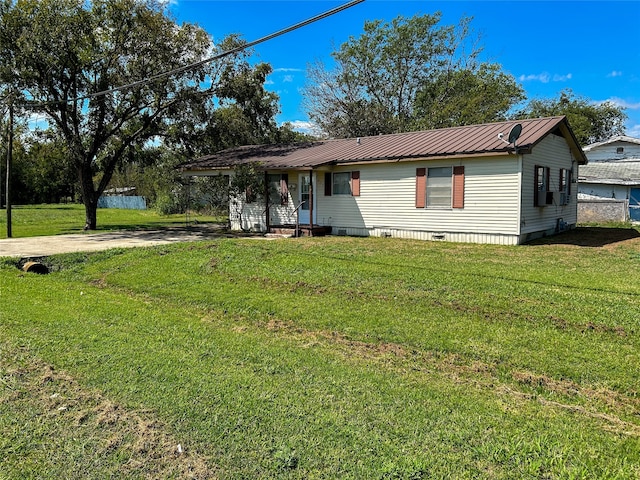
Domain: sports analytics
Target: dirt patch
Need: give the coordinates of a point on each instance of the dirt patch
(594, 237)
(147, 450)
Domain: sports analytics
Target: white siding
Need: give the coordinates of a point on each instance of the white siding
(387, 203)
(553, 152)
(608, 152)
(589, 191)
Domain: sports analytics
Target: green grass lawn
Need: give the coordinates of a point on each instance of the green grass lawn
(326, 357)
(35, 220)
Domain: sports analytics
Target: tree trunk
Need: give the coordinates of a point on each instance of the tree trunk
(89, 197)
(91, 215)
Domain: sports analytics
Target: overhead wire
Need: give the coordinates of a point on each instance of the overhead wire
(184, 68)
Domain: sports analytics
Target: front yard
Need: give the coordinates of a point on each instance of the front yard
(326, 357)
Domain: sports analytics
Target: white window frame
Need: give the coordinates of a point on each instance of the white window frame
(439, 181)
(339, 188)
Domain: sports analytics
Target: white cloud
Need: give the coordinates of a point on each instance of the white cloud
(269, 82)
(620, 102)
(288, 78)
(541, 77)
(614, 74)
(304, 126)
(633, 131)
(562, 78)
(279, 70)
(545, 77)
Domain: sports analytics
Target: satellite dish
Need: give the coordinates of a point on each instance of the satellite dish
(514, 133)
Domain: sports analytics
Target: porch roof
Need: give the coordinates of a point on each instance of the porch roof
(465, 141)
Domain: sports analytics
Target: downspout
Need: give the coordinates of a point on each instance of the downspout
(520, 196)
(311, 194)
(266, 201)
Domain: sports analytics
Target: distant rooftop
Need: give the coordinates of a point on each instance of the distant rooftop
(618, 173)
(619, 138)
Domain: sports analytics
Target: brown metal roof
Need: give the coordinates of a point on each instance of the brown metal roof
(469, 141)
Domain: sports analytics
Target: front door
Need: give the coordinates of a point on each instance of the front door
(634, 205)
(304, 197)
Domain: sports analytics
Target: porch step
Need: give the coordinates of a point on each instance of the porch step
(282, 231)
(278, 235)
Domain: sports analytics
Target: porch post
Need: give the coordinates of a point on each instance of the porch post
(311, 202)
(266, 201)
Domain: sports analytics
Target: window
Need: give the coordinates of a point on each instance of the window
(542, 195)
(440, 187)
(620, 150)
(342, 183)
(565, 186)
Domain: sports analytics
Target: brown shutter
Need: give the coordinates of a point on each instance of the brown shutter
(327, 184)
(355, 183)
(458, 187)
(284, 189)
(421, 187)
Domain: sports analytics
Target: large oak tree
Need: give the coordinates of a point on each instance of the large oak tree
(58, 55)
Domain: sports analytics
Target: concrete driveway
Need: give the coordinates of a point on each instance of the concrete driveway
(35, 247)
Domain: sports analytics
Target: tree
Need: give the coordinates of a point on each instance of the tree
(591, 122)
(59, 53)
(404, 75)
(244, 113)
(45, 174)
(467, 96)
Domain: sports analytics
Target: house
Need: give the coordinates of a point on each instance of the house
(462, 184)
(609, 186)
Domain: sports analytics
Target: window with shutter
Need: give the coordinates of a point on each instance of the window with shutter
(342, 183)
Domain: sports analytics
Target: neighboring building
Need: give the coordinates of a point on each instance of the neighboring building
(609, 186)
(463, 184)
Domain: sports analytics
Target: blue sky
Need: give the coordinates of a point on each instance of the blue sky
(590, 47)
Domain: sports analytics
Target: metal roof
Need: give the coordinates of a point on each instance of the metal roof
(465, 141)
(616, 173)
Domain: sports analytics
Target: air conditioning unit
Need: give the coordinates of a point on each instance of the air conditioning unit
(564, 198)
(549, 198)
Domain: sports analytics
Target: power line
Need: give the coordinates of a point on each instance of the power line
(152, 78)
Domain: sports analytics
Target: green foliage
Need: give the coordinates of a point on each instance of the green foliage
(466, 96)
(42, 173)
(63, 51)
(248, 181)
(589, 121)
(408, 74)
(325, 358)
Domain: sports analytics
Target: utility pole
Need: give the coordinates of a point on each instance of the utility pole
(7, 192)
